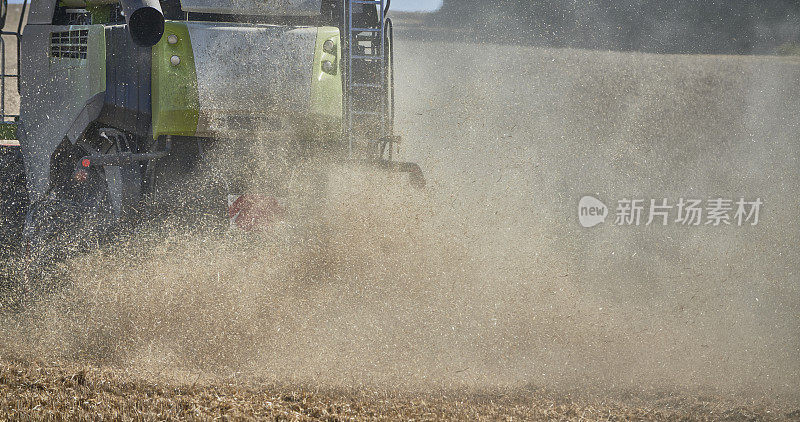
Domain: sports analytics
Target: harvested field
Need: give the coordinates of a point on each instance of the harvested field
(55, 391)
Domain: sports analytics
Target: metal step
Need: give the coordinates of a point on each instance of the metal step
(356, 57)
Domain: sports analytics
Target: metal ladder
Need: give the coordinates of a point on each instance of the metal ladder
(366, 82)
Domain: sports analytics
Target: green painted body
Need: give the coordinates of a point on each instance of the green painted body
(100, 13)
(174, 88)
(8, 131)
(100, 10)
(175, 98)
(306, 104)
(326, 89)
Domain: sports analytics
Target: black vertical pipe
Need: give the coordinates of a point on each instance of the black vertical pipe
(145, 21)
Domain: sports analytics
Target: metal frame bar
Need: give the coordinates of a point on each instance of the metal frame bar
(388, 41)
(348, 23)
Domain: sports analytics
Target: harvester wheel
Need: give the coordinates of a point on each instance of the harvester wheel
(13, 203)
(67, 221)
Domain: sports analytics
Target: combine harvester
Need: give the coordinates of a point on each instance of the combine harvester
(122, 99)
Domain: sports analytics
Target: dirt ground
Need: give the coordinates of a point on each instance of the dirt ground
(68, 392)
(481, 298)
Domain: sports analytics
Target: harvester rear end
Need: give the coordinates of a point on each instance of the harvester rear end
(124, 101)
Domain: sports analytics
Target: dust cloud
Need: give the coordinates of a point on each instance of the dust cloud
(486, 279)
(396, 289)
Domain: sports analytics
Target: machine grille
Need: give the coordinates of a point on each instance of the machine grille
(69, 44)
